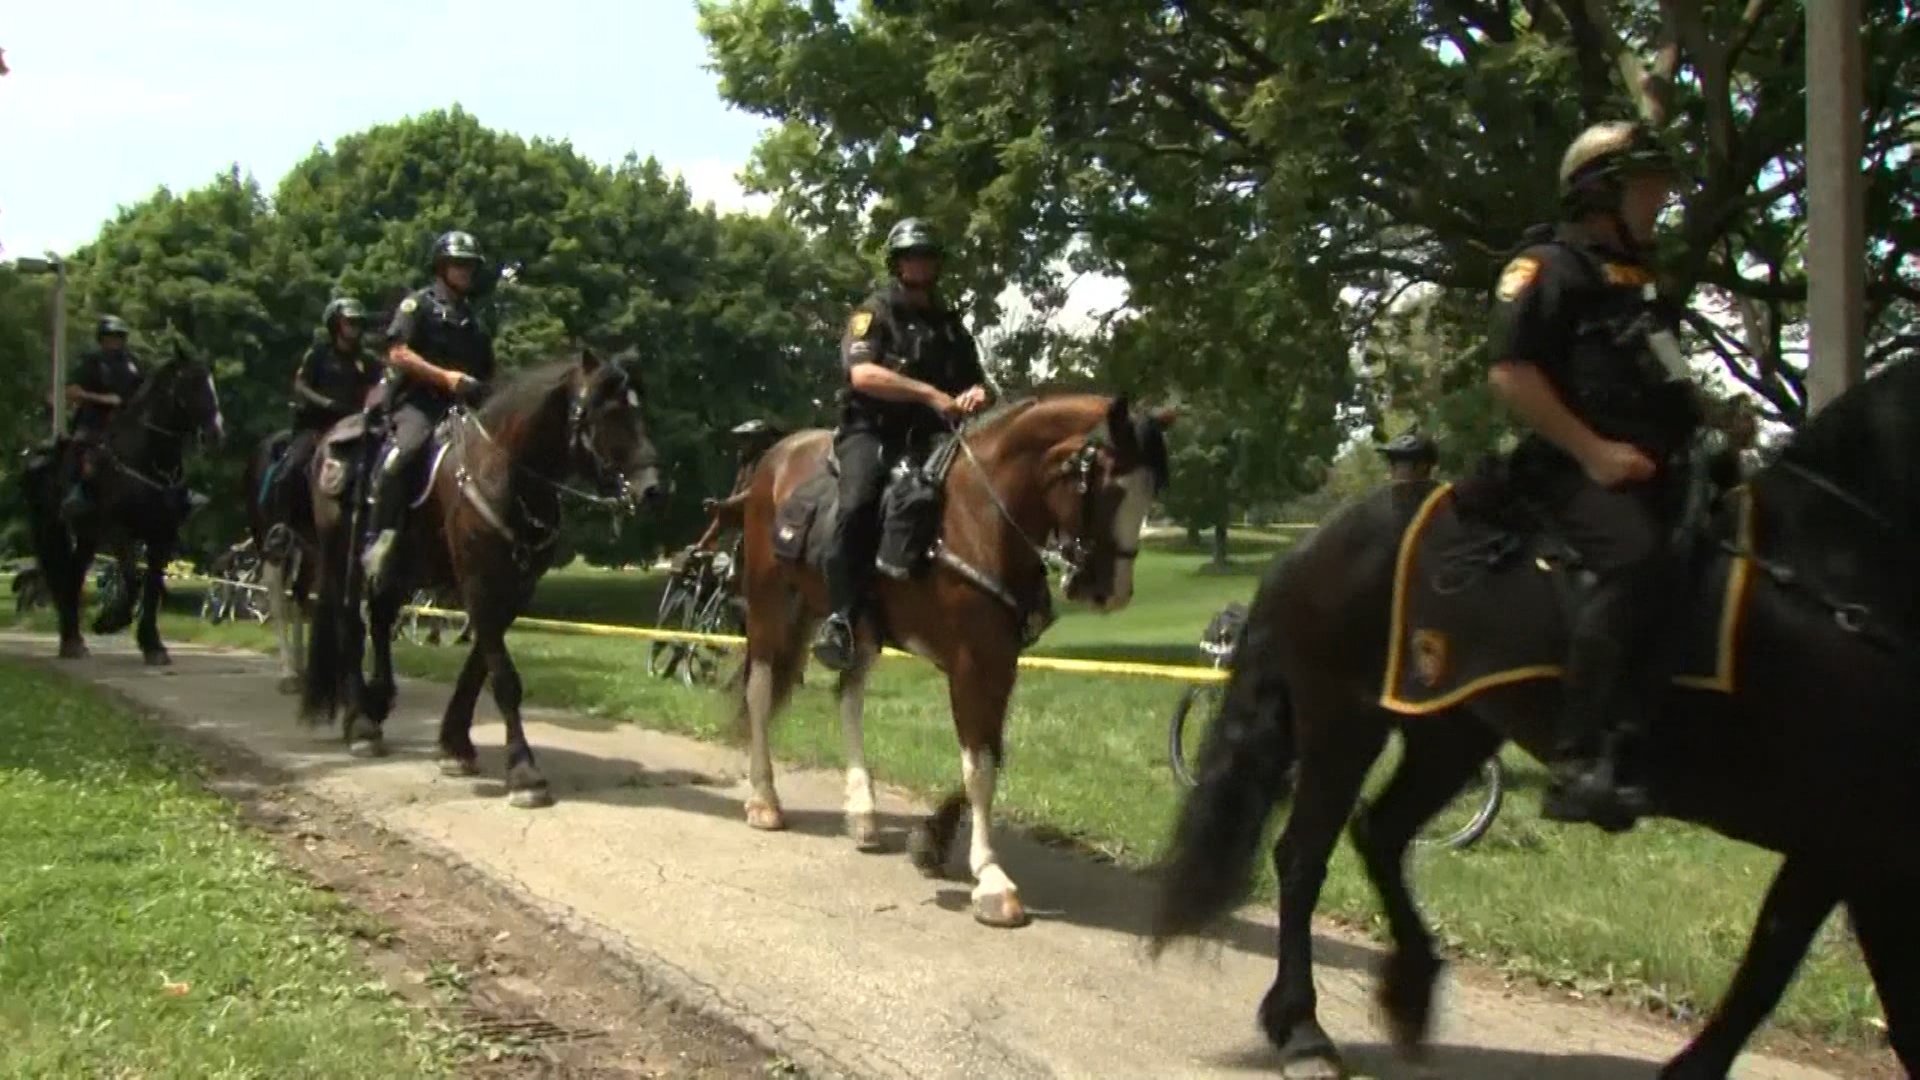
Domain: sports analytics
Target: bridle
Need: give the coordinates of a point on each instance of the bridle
(148, 406)
(1071, 551)
(581, 448)
(584, 447)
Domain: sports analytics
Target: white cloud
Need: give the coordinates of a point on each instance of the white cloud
(718, 182)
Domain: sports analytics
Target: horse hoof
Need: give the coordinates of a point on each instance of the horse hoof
(764, 816)
(1001, 910)
(1314, 1068)
(865, 834)
(157, 658)
(530, 798)
(368, 748)
(929, 857)
(459, 767)
(74, 650)
(290, 684)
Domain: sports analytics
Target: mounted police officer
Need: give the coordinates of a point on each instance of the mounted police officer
(331, 384)
(1412, 456)
(912, 369)
(106, 376)
(437, 354)
(1583, 353)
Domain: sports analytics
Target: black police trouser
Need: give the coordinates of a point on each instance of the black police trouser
(865, 459)
(409, 428)
(293, 467)
(1615, 671)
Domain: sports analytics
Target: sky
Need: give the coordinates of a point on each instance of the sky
(107, 100)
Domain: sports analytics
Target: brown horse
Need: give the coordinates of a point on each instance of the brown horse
(1789, 725)
(1075, 469)
(485, 524)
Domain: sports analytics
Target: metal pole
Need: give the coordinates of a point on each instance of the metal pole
(1836, 203)
(59, 402)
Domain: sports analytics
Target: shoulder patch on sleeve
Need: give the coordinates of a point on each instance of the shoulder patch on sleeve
(858, 326)
(408, 305)
(1518, 274)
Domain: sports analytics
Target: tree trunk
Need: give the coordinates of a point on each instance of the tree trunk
(1220, 542)
(1193, 536)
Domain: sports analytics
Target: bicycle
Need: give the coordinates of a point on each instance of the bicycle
(698, 598)
(423, 628)
(235, 591)
(1218, 643)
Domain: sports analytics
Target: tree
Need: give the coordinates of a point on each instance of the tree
(734, 317)
(1311, 162)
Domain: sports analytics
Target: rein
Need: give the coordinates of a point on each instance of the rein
(1073, 553)
(466, 422)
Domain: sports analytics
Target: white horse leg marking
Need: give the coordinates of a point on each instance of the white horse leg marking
(763, 804)
(860, 803)
(981, 773)
(273, 579)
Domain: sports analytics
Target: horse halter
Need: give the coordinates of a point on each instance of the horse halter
(1075, 550)
(605, 474)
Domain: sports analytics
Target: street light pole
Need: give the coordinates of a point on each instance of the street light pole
(59, 345)
(56, 266)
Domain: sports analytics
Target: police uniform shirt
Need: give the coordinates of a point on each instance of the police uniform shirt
(1564, 306)
(344, 380)
(444, 331)
(930, 345)
(101, 372)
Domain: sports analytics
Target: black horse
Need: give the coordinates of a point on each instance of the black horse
(139, 497)
(485, 525)
(1795, 692)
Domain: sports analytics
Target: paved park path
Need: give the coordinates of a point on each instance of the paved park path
(853, 965)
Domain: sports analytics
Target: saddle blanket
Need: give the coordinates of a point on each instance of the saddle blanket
(1461, 627)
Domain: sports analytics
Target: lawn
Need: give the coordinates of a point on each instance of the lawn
(1658, 917)
(144, 932)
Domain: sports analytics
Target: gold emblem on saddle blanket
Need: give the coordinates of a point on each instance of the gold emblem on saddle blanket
(858, 327)
(1429, 649)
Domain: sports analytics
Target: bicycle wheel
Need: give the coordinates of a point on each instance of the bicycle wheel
(702, 662)
(665, 657)
(1207, 695)
(1471, 816)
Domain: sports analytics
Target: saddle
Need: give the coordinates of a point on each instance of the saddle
(1483, 600)
(910, 509)
(343, 446)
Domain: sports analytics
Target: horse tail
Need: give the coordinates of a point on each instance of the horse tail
(1245, 771)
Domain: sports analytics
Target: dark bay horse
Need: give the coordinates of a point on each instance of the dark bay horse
(1804, 742)
(139, 497)
(288, 579)
(484, 525)
(1074, 469)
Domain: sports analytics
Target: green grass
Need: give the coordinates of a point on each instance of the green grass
(1659, 916)
(144, 932)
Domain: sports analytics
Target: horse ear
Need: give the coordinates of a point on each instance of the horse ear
(1120, 434)
(589, 360)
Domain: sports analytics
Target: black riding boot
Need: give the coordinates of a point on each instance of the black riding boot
(389, 502)
(834, 644)
(849, 569)
(1609, 698)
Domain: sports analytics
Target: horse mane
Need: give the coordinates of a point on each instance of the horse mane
(527, 390)
(1867, 442)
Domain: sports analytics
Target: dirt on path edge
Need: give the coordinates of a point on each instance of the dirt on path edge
(524, 988)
